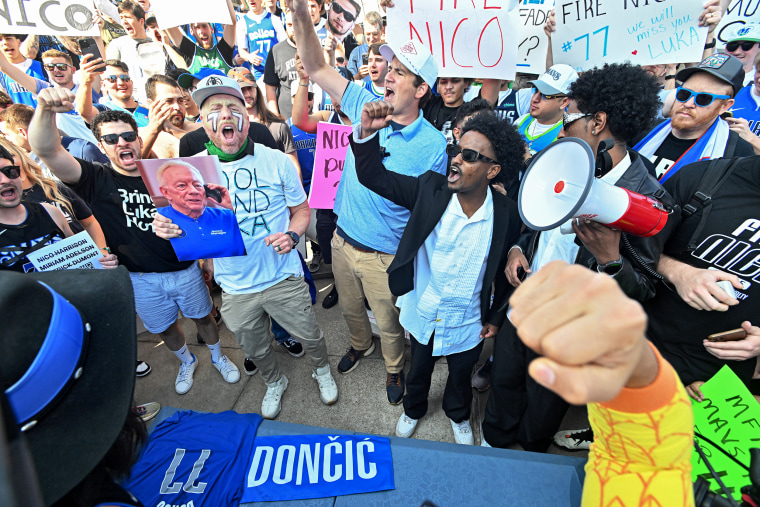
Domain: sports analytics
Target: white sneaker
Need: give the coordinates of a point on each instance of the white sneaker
(462, 432)
(227, 368)
(575, 440)
(405, 426)
(272, 402)
(328, 389)
(185, 376)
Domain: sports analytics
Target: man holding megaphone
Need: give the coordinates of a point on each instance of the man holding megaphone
(607, 107)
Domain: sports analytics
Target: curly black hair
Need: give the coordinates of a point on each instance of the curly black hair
(626, 92)
(111, 117)
(506, 142)
(470, 108)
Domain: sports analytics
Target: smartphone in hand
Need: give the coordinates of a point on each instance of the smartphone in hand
(88, 46)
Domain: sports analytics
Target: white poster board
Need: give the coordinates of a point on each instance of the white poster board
(171, 13)
(532, 45)
(466, 38)
(46, 17)
(76, 252)
(639, 31)
(740, 12)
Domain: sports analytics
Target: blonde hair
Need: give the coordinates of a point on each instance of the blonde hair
(36, 176)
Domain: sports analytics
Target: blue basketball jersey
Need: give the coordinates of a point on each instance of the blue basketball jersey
(306, 144)
(747, 106)
(262, 37)
(18, 93)
(195, 457)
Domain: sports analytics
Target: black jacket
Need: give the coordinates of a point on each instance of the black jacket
(633, 279)
(427, 197)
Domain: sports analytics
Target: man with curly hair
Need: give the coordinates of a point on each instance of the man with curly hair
(452, 251)
(600, 111)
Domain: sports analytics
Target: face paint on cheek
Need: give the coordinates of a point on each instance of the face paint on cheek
(214, 119)
(239, 117)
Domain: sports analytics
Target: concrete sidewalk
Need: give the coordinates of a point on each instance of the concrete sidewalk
(361, 407)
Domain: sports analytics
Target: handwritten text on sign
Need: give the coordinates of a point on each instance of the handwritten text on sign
(467, 38)
(531, 49)
(192, 11)
(729, 417)
(51, 17)
(75, 252)
(739, 13)
(329, 157)
(644, 32)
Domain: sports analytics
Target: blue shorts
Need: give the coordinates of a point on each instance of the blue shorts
(158, 297)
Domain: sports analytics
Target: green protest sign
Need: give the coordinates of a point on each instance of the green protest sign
(730, 418)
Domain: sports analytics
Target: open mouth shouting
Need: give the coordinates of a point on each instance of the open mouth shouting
(455, 173)
(10, 194)
(389, 94)
(126, 157)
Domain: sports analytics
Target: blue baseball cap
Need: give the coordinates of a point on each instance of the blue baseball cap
(186, 80)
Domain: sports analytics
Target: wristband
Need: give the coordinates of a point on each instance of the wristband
(304, 85)
(712, 44)
(611, 268)
(671, 76)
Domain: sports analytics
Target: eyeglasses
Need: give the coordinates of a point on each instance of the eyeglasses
(468, 155)
(548, 97)
(340, 10)
(11, 171)
(745, 44)
(112, 78)
(129, 137)
(59, 66)
(340, 59)
(570, 118)
(702, 99)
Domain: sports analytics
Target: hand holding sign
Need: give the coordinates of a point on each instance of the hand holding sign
(376, 115)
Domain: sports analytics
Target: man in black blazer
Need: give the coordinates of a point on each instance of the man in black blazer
(451, 253)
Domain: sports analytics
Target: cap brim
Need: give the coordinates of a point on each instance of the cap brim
(185, 80)
(387, 53)
(201, 94)
(684, 74)
(545, 88)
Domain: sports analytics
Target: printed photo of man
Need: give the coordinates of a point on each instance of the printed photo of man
(207, 232)
(341, 17)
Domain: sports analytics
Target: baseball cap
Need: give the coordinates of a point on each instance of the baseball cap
(215, 85)
(749, 32)
(727, 68)
(415, 57)
(556, 80)
(243, 76)
(186, 80)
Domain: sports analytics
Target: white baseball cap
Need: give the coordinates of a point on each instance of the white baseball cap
(215, 85)
(415, 57)
(748, 32)
(556, 80)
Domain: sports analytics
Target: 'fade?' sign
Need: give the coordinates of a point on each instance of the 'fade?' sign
(297, 467)
(49, 17)
(467, 38)
(644, 32)
(329, 158)
(531, 50)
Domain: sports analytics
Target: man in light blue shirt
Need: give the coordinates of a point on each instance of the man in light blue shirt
(369, 226)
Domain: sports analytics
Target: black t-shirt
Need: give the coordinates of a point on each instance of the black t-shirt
(195, 142)
(673, 148)
(78, 206)
(125, 211)
(730, 242)
(18, 240)
(441, 116)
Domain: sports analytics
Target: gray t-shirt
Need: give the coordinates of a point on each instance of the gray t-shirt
(280, 72)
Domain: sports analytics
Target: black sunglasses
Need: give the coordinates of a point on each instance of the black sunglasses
(60, 66)
(11, 171)
(702, 99)
(340, 10)
(745, 44)
(548, 97)
(112, 78)
(468, 155)
(570, 118)
(114, 138)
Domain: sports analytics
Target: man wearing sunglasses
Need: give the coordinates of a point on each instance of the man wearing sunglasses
(121, 202)
(341, 17)
(744, 44)
(695, 130)
(117, 86)
(746, 111)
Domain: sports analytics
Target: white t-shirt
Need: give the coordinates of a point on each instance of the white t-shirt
(124, 48)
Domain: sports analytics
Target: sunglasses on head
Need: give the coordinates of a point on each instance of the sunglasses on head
(11, 172)
(59, 66)
(548, 97)
(570, 118)
(112, 78)
(114, 138)
(702, 99)
(340, 10)
(468, 155)
(745, 44)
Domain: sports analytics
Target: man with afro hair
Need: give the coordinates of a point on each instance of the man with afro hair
(452, 251)
(607, 105)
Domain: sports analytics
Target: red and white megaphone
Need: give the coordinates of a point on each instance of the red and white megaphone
(559, 185)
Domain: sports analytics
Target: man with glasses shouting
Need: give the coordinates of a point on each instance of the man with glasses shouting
(121, 202)
(696, 130)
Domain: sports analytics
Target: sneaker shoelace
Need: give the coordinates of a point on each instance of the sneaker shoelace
(462, 427)
(272, 394)
(395, 379)
(407, 419)
(225, 364)
(184, 371)
(324, 380)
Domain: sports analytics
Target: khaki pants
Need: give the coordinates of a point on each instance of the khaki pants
(359, 274)
(289, 303)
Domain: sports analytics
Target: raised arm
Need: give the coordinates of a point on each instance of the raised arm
(83, 101)
(229, 30)
(45, 139)
(301, 117)
(17, 75)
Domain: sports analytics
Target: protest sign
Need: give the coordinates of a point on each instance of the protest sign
(729, 416)
(169, 15)
(50, 17)
(643, 32)
(466, 38)
(329, 157)
(75, 252)
(532, 45)
(739, 13)
(297, 467)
